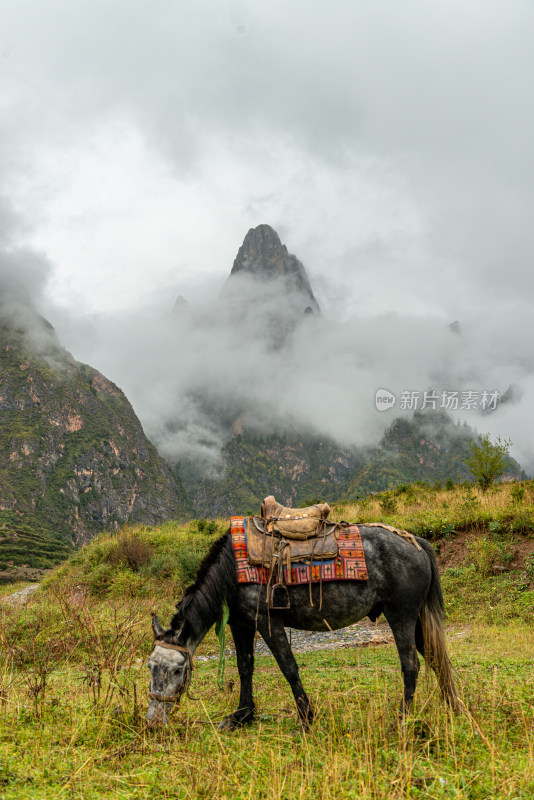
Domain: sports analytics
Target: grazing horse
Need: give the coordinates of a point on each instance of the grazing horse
(403, 584)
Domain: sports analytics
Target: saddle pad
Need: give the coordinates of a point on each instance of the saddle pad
(261, 544)
(349, 564)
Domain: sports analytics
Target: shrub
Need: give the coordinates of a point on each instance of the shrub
(187, 561)
(409, 497)
(449, 484)
(130, 584)
(162, 566)
(132, 551)
(523, 522)
(485, 554)
(100, 578)
(495, 527)
(445, 531)
(388, 504)
(517, 493)
(487, 459)
(470, 501)
(364, 503)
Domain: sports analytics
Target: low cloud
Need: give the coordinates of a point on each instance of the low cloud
(23, 278)
(198, 375)
(390, 145)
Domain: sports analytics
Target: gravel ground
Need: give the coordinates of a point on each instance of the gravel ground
(362, 634)
(20, 597)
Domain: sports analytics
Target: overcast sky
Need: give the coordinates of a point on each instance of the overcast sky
(388, 143)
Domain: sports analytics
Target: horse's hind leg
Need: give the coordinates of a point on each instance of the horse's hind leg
(244, 648)
(404, 634)
(276, 641)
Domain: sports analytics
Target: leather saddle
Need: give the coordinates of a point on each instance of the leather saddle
(282, 536)
(293, 523)
(291, 534)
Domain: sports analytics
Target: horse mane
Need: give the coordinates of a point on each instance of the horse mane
(216, 579)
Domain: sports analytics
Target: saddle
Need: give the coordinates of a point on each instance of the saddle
(293, 523)
(285, 535)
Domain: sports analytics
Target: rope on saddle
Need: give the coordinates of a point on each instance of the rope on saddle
(405, 535)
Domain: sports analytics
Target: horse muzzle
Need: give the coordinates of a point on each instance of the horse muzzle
(159, 711)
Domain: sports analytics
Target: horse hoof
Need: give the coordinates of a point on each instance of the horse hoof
(228, 724)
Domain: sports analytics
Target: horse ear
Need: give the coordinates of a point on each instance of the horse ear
(156, 627)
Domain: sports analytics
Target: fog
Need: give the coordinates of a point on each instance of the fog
(191, 374)
(388, 144)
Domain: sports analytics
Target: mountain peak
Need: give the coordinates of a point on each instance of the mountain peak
(263, 255)
(261, 251)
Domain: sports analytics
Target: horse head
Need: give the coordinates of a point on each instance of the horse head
(170, 665)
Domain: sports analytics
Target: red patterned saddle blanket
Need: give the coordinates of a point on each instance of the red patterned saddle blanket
(348, 565)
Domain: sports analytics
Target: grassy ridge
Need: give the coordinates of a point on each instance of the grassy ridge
(31, 543)
(73, 678)
(436, 511)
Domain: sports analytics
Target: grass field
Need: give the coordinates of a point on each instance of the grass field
(73, 683)
(84, 740)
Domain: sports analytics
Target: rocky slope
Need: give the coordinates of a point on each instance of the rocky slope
(73, 456)
(300, 470)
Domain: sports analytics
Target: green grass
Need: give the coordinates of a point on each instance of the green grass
(140, 560)
(73, 682)
(495, 599)
(435, 512)
(75, 740)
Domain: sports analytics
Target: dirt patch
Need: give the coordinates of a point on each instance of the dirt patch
(522, 547)
(453, 552)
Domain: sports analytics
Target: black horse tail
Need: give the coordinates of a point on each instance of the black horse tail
(430, 627)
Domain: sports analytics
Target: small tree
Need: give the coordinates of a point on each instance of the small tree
(487, 459)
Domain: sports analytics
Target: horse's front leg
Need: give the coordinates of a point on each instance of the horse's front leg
(277, 643)
(244, 648)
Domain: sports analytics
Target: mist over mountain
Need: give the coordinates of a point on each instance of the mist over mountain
(263, 256)
(249, 355)
(74, 459)
(252, 391)
(269, 300)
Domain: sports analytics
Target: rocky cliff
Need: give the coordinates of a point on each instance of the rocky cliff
(264, 258)
(300, 470)
(73, 456)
